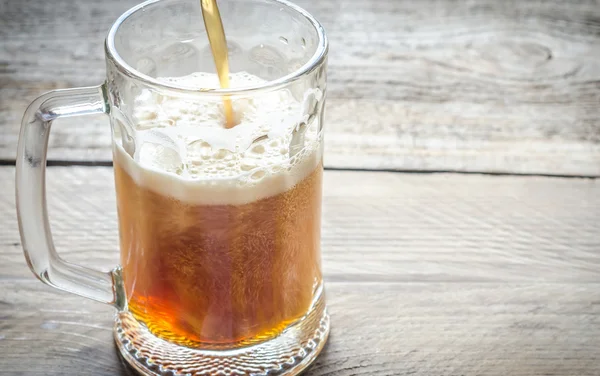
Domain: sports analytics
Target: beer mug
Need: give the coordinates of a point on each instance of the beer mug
(219, 227)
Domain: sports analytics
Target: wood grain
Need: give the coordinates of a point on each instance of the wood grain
(426, 274)
(485, 85)
(378, 329)
(377, 226)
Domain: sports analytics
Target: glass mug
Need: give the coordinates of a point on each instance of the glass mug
(219, 228)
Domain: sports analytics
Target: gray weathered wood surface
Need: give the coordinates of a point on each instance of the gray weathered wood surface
(378, 227)
(427, 274)
(483, 85)
(428, 329)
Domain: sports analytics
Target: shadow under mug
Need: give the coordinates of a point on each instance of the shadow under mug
(219, 274)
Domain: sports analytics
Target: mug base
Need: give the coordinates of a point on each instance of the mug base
(287, 354)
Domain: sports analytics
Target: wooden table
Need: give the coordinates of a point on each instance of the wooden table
(464, 272)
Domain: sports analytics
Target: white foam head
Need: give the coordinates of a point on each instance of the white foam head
(183, 150)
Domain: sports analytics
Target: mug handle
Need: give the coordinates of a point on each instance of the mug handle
(36, 237)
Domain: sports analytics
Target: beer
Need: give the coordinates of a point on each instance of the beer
(220, 247)
(218, 46)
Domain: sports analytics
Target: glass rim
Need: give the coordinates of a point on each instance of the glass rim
(315, 60)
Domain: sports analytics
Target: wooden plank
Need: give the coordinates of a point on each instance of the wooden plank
(427, 274)
(377, 226)
(485, 85)
(378, 329)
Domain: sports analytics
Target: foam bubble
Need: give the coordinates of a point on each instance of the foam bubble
(184, 150)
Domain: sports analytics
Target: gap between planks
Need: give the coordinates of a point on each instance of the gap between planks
(69, 163)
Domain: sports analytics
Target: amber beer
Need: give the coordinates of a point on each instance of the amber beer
(218, 46)
(204, 270)
(219, 274)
